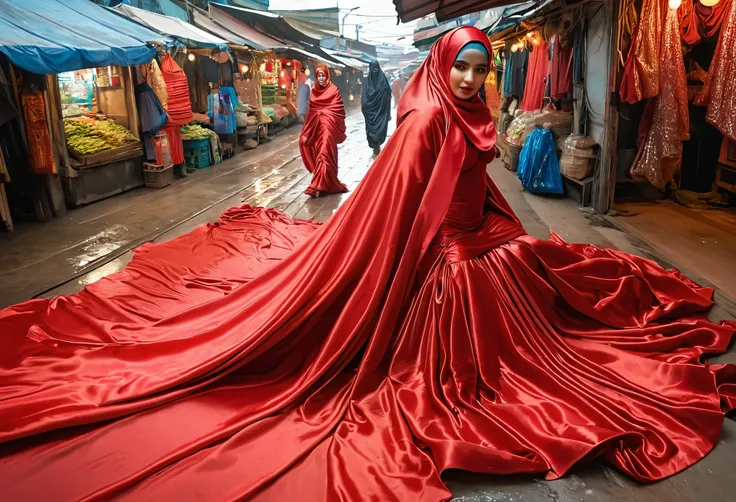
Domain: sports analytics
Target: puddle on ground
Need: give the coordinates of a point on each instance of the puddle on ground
(98, 246)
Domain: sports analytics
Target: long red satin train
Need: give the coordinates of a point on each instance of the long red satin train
(419, 329)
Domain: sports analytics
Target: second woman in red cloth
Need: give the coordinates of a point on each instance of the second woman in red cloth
(324, 129)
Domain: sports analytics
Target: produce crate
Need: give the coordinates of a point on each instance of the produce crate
(197, 157)
(196, 143)
(156, 176)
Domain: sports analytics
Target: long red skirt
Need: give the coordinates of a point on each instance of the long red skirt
(528, 357)
(318, 148)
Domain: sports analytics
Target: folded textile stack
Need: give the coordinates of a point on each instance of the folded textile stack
(177, 86)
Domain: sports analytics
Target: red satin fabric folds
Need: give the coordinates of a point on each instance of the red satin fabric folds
(418, 330)
(324, 129)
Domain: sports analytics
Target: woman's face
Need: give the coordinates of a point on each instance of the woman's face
(321, 78)
(468, 73)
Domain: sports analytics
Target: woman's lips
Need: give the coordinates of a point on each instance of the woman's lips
(466, 89)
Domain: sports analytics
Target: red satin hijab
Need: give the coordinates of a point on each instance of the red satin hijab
(326, 97)
(430, 86)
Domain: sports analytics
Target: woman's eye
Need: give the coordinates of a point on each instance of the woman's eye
(481, 70)
(460, 67)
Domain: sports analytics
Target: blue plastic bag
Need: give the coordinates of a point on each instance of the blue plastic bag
(150, 112)
(539, 171)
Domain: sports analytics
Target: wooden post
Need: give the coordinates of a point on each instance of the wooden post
(127, 82)
(605, 182)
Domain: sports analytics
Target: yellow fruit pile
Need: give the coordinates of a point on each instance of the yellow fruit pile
(87, 135)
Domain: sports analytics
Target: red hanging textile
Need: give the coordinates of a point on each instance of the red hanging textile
(176, 142)
(719, 91)
(661, 153)
(641, 72)
(324, 129)
(536, 79)
(180, 104)
(698, 21)
(37, 132)
(561, 68)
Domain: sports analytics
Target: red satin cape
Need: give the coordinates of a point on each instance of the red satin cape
(267, 359)
(323, 130)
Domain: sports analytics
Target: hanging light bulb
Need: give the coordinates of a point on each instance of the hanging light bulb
(283, 86)
(514, 48)
(350, 97)
(529, 35)
(307, 72)
(709, 3)
(191, 56)
(535, 41)
(674, 4)
(244, 68)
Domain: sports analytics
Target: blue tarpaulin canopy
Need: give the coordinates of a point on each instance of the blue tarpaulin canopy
(54, 36)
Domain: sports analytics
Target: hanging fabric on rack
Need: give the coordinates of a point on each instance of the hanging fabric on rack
(719, 91)
(536, 80)
(520, 66)
(508, 74)
(641, 71)
(698, 21)
(661, 153)
(179, 103)
(561, 67)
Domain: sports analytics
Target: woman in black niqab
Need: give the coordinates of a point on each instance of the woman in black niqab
(376, 105)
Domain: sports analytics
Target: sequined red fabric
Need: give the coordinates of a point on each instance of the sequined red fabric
(418, 330)
(661, 154)
(719, 91)
(641, 75)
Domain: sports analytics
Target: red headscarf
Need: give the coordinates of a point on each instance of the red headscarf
(326, 97)
(430, 86)
(325, 100)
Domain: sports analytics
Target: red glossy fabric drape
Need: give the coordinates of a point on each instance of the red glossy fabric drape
(536, 79)
(418, 330)
(661, 152)
(698, 21)
(640, 79)
(719, 91)
(324, 129)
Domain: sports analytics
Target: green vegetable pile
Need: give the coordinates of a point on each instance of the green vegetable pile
(194, 131)
(87, 135)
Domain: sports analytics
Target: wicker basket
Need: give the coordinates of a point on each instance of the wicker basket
(577, 168)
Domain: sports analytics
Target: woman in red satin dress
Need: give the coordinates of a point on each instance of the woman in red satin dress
(324, 129)
(420, 329)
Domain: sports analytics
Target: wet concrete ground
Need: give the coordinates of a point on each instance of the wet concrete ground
(94, 241)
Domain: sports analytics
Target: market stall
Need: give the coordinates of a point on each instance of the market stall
(75, 95)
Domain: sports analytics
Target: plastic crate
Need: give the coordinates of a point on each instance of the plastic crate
(156, 177)
(196, 143)
(197, 157)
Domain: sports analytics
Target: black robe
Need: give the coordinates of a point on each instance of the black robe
(376, 105)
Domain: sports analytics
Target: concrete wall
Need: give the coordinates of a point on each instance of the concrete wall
(597, 67)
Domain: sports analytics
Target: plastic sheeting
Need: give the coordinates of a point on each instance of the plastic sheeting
(539, 170)
(54, 36)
